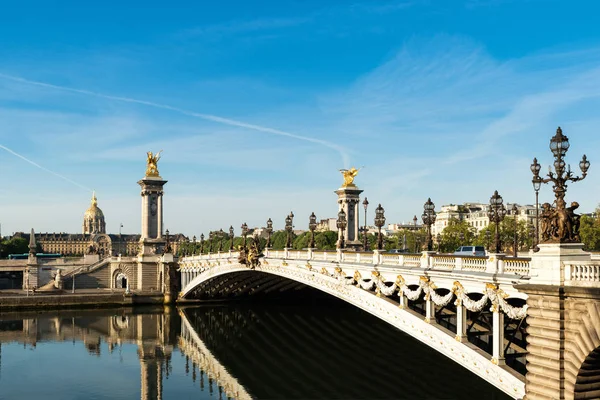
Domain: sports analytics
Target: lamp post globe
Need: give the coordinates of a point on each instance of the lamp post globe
(289, 229)
(428, 218)
(221, 236)
(515, 211)
(244, 232)
(496, 213)
(269, 230)
(379, 222)
(341, 225)
(201, 243)
(231, 237)
(365, 204)
(312, 225)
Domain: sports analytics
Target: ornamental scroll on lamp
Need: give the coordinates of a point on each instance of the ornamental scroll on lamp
(559, 223)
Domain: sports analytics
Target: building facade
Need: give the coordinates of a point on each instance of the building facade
(94, 239)
(476, 215)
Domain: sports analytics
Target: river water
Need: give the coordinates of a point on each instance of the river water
(237, 350)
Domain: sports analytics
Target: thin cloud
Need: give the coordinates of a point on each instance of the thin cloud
(208, 117)
(22, 157)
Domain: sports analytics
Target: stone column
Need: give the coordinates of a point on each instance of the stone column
(461, 322)
(563, 317)
(403, 300)
(429, 308)
(151, 240)
(497, 335)
(349, 200)
(152, 214)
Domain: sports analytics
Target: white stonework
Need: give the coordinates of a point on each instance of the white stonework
(348, 200)
(321, 275)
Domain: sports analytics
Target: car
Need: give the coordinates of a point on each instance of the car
(470, 251)
(397, 251)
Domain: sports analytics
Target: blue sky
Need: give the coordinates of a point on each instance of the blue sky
(257, 105)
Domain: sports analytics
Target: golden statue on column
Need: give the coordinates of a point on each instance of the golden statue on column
(349, 175)
(152, 163)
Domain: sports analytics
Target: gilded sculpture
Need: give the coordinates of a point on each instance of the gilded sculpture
(250, 257)
(349, 175)
(152, 163)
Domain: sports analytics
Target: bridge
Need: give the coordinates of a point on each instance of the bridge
(529, 326)
(471, 309)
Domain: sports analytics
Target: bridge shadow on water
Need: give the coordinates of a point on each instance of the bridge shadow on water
(308, 345)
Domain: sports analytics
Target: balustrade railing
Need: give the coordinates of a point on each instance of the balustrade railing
(582, 272)
(443, 261)
(518, 266)
(411, 260)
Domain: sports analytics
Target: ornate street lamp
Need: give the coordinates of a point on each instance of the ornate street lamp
(187, 247)
(379, 222)
(231, 237)
(312, 225)
(194, 243)
(210, 241)
(365, 204)
(289, 220)
(537, 183)
(496, 214)
(415, 219)
(515, 211)
(531, 230)
(560, 224)
(428, 218)
(168, 242)
(438, 238)
(341, 225)
(202, 243)
(221, 236)
(244, 232)
(269, 230)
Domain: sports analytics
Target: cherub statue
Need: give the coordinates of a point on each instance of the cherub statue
(349, 175)
(152, 163)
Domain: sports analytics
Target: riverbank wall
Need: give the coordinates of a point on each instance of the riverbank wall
(78, 300)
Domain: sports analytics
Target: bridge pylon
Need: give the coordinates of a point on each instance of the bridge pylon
(348, 200)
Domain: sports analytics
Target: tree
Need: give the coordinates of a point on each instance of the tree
(414, 240)
(15, 245)
(589, 232)
(451, 235)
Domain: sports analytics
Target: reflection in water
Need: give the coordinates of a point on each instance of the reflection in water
(229, 351)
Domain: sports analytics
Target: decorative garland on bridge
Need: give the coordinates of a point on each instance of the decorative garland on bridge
(491, 292)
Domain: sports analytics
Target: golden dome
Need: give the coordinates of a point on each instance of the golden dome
(93, 212)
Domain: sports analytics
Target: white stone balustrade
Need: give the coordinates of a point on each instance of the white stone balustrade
(583, 273)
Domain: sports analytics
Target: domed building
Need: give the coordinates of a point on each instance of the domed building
(94, 239)
(93, 219)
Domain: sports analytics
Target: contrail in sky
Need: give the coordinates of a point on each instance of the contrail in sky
(43, 168)
(208, 117)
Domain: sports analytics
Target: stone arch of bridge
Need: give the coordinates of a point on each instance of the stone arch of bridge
(584, 349)
(409, 322)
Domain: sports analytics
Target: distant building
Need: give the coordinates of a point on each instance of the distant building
(476, 214)
(94, 239)
(329, 224)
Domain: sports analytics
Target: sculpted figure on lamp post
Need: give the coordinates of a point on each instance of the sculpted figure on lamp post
(559, 223)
